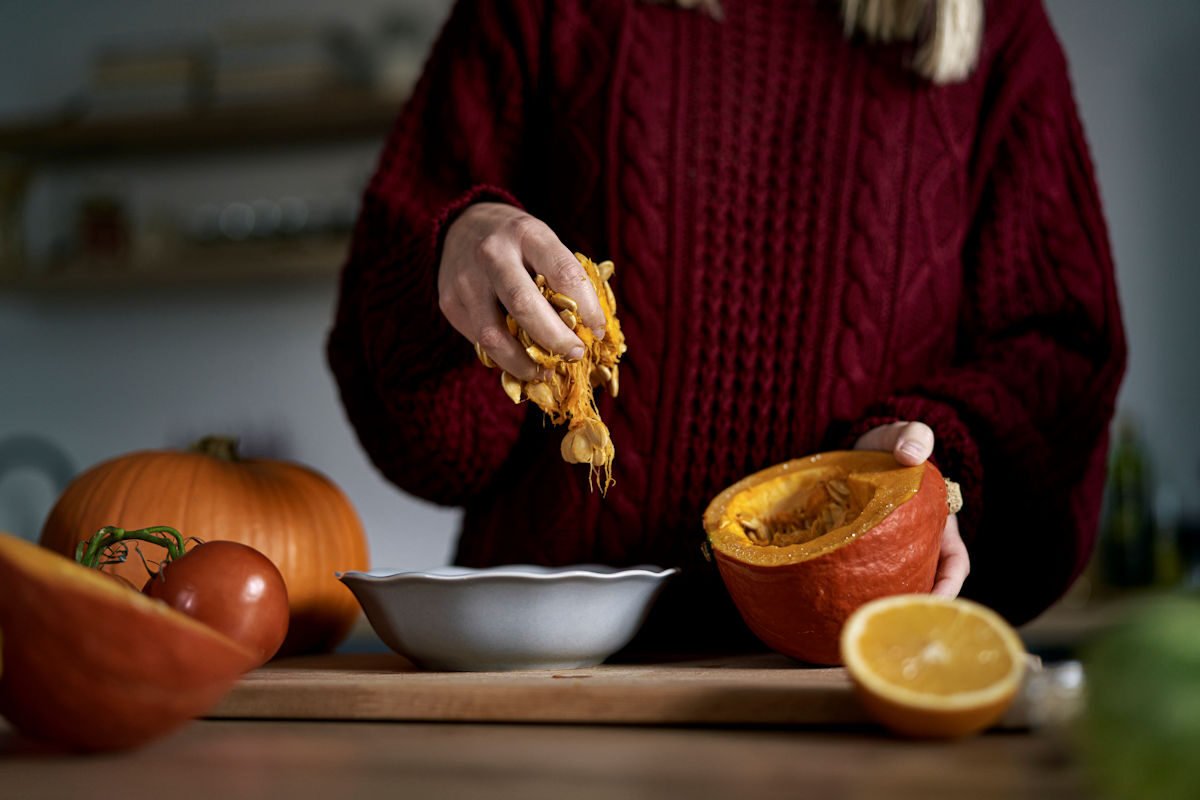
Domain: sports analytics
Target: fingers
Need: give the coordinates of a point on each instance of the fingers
(954, 563)
(910, 442)
(503, 256)
(471, 308)
(486, 261)
(547, 255)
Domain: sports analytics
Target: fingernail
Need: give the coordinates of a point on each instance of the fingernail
(913, 451)
(575, 353)
(599, 332)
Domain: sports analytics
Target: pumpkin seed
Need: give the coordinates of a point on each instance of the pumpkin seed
(575, 449)
(612, 298)
(596, 433)
(755, 530)
(560, 300)
(568, 318)
(540, 356)
(838, 490)
(483, 357)
(541, 394)
(605, 269)
(511, 386)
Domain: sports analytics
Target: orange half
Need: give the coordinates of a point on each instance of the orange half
(932, 667)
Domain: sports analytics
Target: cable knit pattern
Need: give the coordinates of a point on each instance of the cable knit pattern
(810, 241)
(641, 123)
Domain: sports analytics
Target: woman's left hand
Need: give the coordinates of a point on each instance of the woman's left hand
(912, 443)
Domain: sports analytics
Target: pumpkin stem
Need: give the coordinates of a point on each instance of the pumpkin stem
(222, 447)
(88, 552)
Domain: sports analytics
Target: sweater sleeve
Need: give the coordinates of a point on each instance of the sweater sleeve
(432, 419)
(1021, 417)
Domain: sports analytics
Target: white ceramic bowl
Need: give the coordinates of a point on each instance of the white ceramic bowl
(507, 618)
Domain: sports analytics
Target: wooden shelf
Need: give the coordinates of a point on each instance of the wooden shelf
(336, 116)
(341, 116)
(225, 264)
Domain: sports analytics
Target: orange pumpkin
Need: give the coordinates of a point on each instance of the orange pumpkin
(803, 544)
(90, 665)
(295, 516)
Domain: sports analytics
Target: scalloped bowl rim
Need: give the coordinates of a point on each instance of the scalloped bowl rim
(531, 572)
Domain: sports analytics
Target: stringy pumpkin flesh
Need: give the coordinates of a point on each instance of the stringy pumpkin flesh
(567, 395)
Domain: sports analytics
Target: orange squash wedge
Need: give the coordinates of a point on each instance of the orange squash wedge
(802, 544)
(91, 665)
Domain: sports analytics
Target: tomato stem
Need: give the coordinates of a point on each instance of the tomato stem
(88, 552)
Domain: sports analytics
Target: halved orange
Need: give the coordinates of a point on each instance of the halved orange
(932, 667)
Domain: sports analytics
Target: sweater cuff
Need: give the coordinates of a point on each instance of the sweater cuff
(955, 452)
(421, 339)
(480, 193)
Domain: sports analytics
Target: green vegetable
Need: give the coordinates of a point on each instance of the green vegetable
(1140, 732)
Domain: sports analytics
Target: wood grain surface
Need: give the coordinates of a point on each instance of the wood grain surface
(750, 690)
(263, 760)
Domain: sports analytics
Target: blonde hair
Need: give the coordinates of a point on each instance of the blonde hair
(947, 32)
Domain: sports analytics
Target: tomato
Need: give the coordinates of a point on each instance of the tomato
(231, 587)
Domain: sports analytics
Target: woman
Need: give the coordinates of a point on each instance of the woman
(888, 239)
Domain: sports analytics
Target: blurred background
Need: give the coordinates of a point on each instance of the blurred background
(167, 273)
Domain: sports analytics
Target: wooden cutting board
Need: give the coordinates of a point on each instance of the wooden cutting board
(756, 690)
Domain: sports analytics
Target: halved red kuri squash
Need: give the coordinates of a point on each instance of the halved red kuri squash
(802, 544)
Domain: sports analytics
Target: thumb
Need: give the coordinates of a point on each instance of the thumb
(910, 442)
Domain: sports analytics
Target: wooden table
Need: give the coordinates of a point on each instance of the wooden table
(227, 760)
(299, 759)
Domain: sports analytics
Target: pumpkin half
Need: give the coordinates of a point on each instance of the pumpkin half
(801, 545)
(89, 664)
(295, 516)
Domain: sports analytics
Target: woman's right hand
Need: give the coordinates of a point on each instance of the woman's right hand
(490, 255)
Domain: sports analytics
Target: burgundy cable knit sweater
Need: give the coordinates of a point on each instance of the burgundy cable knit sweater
(810, 240)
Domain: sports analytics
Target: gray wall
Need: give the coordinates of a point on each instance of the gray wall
(104, 373)
(1136, 67)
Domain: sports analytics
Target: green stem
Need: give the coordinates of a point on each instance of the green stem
(88, 552)
(223, 447)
